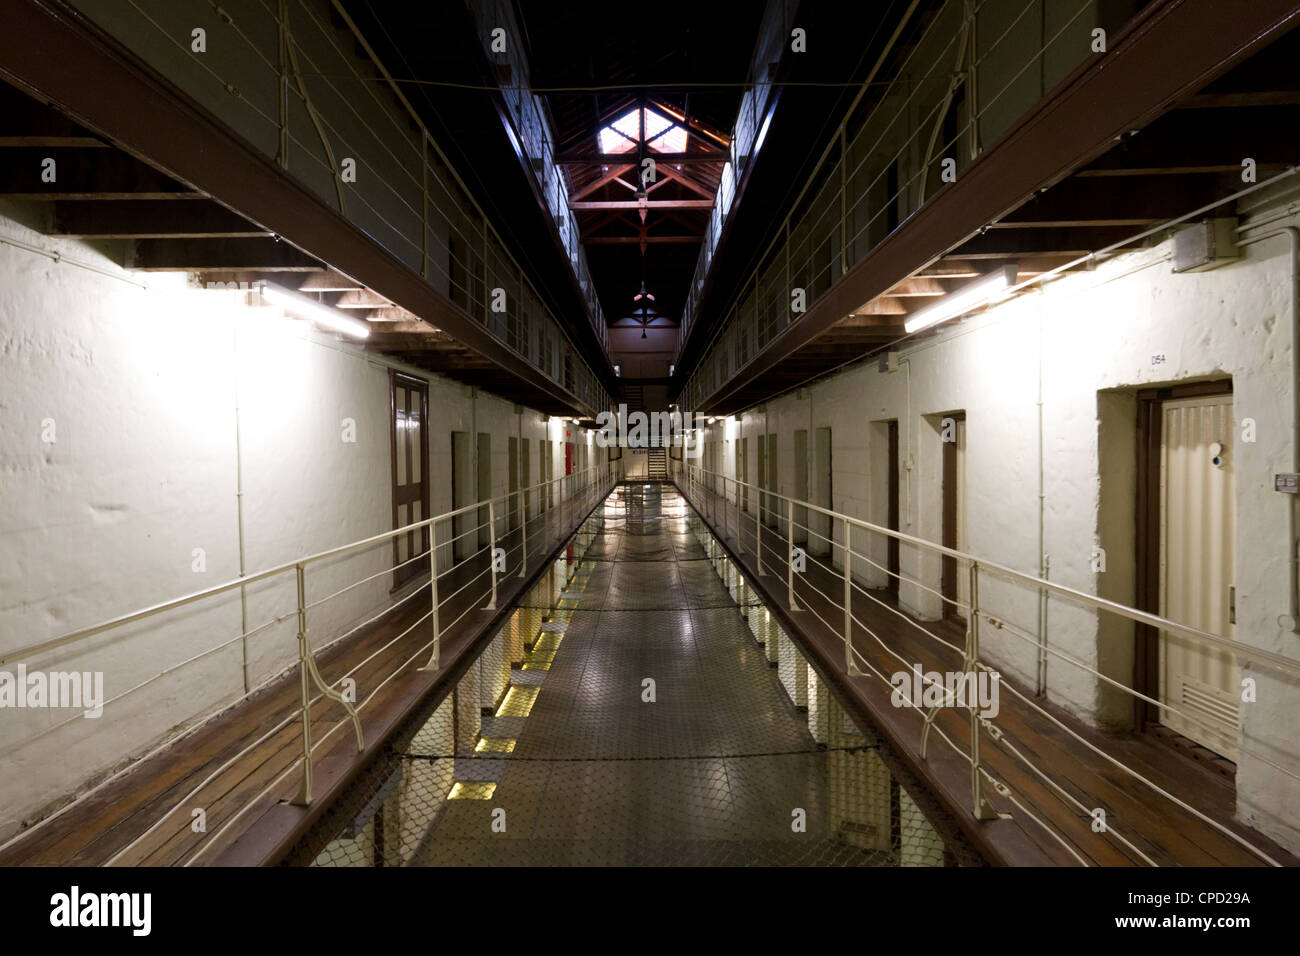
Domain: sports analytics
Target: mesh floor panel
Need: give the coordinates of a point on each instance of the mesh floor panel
(641, 723)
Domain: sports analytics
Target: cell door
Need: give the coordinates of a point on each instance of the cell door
(777, 506)
(801, 485)
(512, 467)
(743, 455)
(823, 528)
(547, 464)
(525, 479)
(464, 540)
(409, 403)
(892, 559)
(484, 488)
(1197, 527)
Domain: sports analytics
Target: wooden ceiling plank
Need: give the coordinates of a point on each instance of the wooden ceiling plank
(329, 281)
(81, 173)
(199, 255)
(362, 299)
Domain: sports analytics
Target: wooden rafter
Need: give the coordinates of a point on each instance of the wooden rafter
(673, 174)
(643, 204)
(614, 173)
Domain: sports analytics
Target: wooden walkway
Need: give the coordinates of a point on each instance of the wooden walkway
(149, 808)
(1153, 824)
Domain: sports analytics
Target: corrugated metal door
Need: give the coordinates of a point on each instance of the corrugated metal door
(1197, 525)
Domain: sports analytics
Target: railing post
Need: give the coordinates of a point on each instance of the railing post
(433, 587)
(789, 554)
(849, 667)
(980, 805)
(492, 552)
(303, 798)
(758, 532)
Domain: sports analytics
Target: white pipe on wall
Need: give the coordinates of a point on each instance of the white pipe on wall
(239, 510)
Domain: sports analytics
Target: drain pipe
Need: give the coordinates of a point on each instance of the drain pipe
(1290, 622)
(1043, 561)
(905, 480)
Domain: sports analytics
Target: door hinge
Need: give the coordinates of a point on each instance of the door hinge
(1232, 605)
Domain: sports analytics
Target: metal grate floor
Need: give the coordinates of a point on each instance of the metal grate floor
(661, 734)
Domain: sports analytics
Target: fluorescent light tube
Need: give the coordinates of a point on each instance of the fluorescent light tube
(762, 133)
(972, 295)
(306, 308)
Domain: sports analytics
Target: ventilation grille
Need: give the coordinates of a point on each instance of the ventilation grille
(1212, 703)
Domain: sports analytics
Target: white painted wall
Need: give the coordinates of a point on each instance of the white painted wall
(1097, 333)
(141, 386)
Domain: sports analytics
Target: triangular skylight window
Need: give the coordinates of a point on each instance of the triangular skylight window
(661, 135)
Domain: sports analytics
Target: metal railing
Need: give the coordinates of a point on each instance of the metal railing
(468, 550)
(532, 129)
(956, 89)
(773, 33)
(312, 96)
(752, 518)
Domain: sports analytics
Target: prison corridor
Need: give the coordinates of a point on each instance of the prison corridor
(645, 726)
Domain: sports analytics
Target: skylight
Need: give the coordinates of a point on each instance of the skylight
(661, 135)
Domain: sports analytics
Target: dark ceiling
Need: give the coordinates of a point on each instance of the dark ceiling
(693, 65)
(604, 59)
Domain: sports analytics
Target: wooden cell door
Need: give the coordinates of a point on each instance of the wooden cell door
(483, 487)
(776, 507)
(823, 528)
(892, 560)
(512, 467)
(409, 433)
(801, 485)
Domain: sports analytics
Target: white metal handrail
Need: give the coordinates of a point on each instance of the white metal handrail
(711, 491)
(8, 657)
(406, 183)
(544, 498)
(284, 775)
(828, 233)
(1254, 654)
